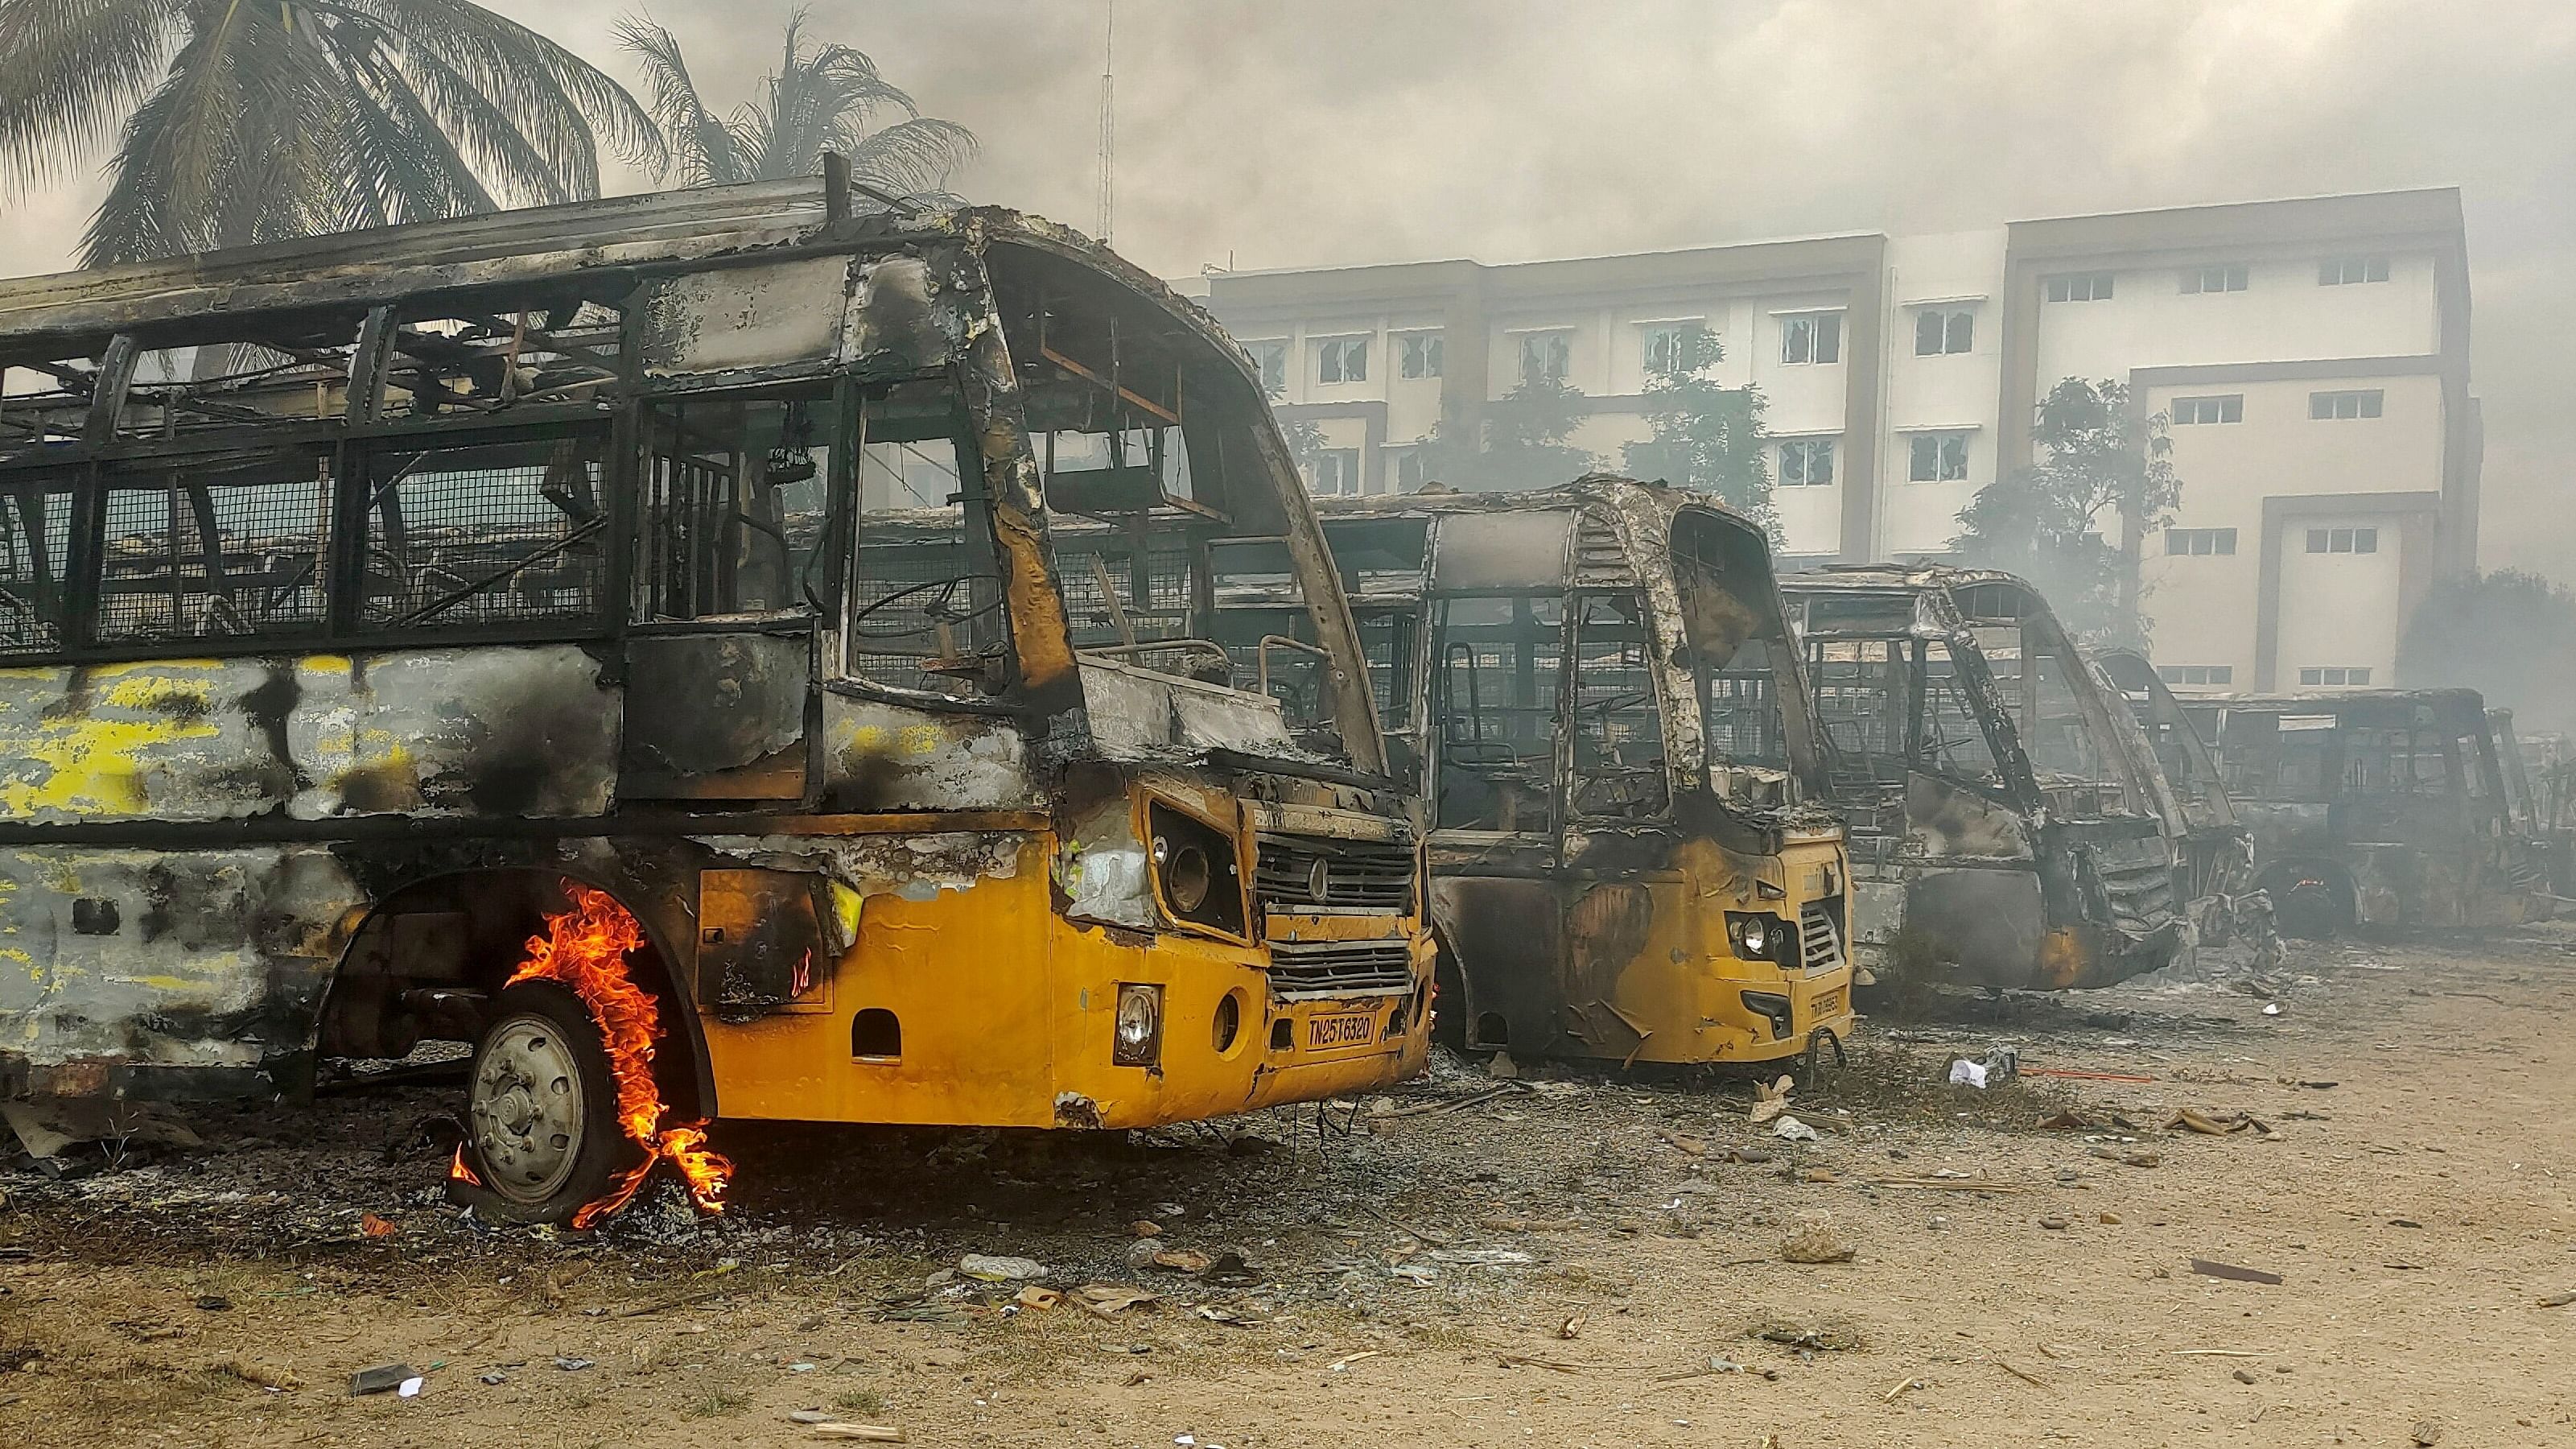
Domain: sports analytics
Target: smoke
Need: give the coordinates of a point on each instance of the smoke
(1302, 132)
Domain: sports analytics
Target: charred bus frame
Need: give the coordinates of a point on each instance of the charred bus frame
(2378, 808)
(364, 599)
(2215, 852)
(2004, 832)
(1598, 690)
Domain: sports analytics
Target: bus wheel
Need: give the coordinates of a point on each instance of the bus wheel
(2310, 910)
(541, 1130)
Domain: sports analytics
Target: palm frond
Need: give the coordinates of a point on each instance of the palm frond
(70, 72)
(913, 158)
(696, 140)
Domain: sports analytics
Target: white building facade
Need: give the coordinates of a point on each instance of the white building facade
(2310, 355)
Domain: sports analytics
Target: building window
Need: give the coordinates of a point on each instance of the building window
(1815, 337)
(1806, 462)
(2334, 676)
(2228, 278)
(1418, 354)
(2188, 411)
(1336, 473)
(1405, 466)
(1341, 359)
(1546, 356)
(2197, 673)
(2323, 406)
(1937, 332)
(2345, 271)
(1939, 457)
(2080, 287)
(1672, 349)
(1270, 359)
(2343, 540)
(2181, 541)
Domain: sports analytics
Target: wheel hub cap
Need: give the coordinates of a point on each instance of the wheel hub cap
(526, 1112)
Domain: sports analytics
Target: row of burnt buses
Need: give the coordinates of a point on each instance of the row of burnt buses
(896, 647)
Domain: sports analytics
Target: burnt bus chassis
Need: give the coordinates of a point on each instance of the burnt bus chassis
(295, 918)
(2057, 900)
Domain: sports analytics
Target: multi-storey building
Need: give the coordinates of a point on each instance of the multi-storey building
(2310, 355)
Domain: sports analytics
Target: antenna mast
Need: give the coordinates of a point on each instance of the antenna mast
(1108, 121)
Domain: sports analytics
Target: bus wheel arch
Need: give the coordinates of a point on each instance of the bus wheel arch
(2311, 899)
(429, 960)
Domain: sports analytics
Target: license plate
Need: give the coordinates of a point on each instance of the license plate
(1340, 1031)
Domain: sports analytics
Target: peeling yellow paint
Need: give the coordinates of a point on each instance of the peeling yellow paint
(90, 762)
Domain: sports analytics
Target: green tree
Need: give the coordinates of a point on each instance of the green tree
(2509, 635)
(1706, 437)
(2068, 523)
(239, 121)
(823, 98)
(1523, 442)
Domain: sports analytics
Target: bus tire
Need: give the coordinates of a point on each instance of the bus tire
(541, 1131)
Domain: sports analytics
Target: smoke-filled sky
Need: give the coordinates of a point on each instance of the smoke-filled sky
(1295, 132)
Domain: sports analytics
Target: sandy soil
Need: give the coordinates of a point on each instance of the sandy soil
(2418, 1211)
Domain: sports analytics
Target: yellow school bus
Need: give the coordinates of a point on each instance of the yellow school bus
(1598, 688)
(628, 637)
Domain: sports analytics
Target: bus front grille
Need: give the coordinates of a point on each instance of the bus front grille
(1820, 934)
(1309, 872)
(1303, 969)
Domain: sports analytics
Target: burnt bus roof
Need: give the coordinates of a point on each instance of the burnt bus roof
(332, 280)
(1980, 596)
(2342, 701)
(1589, 557)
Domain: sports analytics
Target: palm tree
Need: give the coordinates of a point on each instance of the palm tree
(819, 100)
(238, 121)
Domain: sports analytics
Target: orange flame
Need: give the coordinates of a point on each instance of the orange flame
(585, 948)
(460, 1172)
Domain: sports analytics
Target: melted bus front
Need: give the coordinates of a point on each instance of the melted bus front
(1597, 685)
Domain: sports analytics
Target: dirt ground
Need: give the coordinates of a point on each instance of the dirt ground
(1588, 1260)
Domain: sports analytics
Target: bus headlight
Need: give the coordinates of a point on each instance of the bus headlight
(1138, 1041)
(1187, 875)
(1756, 935)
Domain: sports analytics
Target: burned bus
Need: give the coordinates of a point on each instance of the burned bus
(2214, 856)
(482, 631)
(1596, 687)
(2002, 833)
(2376, 808)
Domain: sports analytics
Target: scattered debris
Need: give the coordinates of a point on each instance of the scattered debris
(2427, 1432)
(2053, 1223)
(373, 1226)
(1816, 1242)
(1000, 1270)
(574, 1365)
(214, 1303)
(2074, 1074)
(2245, 1376)
(1820, 1339)
(2187, 1120)
(2207, 1269)
(1790, 1129)
(1571, 1328)
(379, 1379)
(1143, 1228)
(1339, 1364)
(1947, 1184)
(871, 1433)
(1770, 1100)
(1184, 1260)
(266, 1376)
(1109, 1300)
(2558, 1300)
(1500, 1064)
(1994, 1069)
(1033, 1296)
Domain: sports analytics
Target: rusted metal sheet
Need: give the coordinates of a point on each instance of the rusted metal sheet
(142, 966)
(505, 731)
(881, 756)
(716, 716)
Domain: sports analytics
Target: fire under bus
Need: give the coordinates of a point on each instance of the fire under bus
(1598, 689)
(478, 631)
(2005, 831)
(2214, 851)
(2376, 808)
